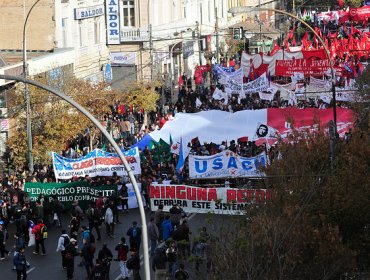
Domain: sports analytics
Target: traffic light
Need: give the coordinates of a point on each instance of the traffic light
(238, 33)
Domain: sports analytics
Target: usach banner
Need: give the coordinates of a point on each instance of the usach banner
(69, 192)
(206, 200)
(95, 163)
(225, 164)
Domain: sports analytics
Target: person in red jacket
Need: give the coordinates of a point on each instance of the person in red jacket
(40, 232)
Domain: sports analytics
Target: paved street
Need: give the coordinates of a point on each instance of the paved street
(43, 267)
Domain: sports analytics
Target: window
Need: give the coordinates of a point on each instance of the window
(97, 24)
(81, 32)
(64, 32)
(184, 12)
(128, 13)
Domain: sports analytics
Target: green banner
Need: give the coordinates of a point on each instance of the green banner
(69, 192)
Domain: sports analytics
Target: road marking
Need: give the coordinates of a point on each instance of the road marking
(31, 269)
(142, 255)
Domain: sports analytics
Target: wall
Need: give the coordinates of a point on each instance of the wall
(40, 26)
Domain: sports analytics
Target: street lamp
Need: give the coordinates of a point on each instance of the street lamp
(116, 148)
(26, 92)
(248, 9)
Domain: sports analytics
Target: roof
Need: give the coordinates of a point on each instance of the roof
(254, 27)
(10, 57)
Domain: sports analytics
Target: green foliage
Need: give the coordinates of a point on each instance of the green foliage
(315, 226)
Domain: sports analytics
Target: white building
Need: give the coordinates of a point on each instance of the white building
(140, 53)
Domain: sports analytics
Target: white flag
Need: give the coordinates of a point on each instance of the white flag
(198, 103)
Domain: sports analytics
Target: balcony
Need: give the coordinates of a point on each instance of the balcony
(134, 34)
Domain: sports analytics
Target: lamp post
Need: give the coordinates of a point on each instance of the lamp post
(246, 9)
(26, 92)
(116, 148)
(172, 67)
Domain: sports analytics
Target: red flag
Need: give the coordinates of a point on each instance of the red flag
(181, 81)
(294, 43)
(341, 3)
(275, 49)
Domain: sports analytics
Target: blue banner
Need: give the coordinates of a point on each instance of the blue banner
(95, 163)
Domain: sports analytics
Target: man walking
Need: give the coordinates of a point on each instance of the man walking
(134, 233)
(63, 241)
(70, 253)
(159, 264)
(153, 235)
(122, 250)
(21, 265)
(40, 232)
(3, 251)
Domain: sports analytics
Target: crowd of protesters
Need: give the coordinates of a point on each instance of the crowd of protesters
(169, 233)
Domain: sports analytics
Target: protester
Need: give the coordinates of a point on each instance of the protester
(158, 219)
(122, 251)
(134, 234)
(3, 251)
(159, 264)
(95, 217)
(153, 235)
(63, 241)
(105, 256)
(87, 254)
(21, 265)
(70, 253)
(109, 223)
(134, 264)
(167, 228)
(40, 232)
(171, 254)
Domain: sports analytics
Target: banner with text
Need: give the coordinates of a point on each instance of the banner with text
(225, 164)
(69, 192)
(308, 67)
(259, 84)
(203, 200)
(95, 163)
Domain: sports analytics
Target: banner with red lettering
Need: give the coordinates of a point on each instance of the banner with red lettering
(308, 67)
(206, 200)
(95, 163)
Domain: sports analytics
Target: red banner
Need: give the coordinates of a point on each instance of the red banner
(309, 67)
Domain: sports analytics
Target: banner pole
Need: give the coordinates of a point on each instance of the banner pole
(116, 148)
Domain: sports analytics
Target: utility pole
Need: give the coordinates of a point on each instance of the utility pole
(217, 40)
(151, 51)
(199, 42)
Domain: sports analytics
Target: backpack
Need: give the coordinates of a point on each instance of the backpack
(134, 232)
(91, 237)
(23, 220)
(92, 249)
(129, 263)
(44, 232)
(68, 256)
(66, 241)
(96, 215)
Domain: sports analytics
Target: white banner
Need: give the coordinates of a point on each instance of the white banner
(121, 58)
(95, 163)
(259, 84)
(206, 200)
(225, 164)
(132, 200)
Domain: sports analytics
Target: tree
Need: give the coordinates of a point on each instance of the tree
(316, 225)
(54, 122)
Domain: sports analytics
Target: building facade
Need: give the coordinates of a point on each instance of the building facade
(159, 39)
